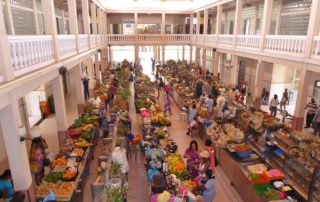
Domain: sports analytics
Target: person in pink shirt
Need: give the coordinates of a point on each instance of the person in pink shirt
(210, 149)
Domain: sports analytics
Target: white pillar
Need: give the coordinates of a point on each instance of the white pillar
(190, 60)
(79, 89)
(219, 17)
(16, 151)
(183, 53)
(204, 62)
(234, 70)
(198, 23)
(313, 27)
(303, 91)
(50, 25)
(6, 69)
(97, 67)
(266, 22)
(60, 107)
(261, 66)
(136, 54)
(35, 17)
(191, 23)
(93, 22)
(278, 20)
(163, 55)
(11, 30)
(196, 60)
(163, 25)
(237, 20)
(216, 59)
(85, 16)
(73, 20)
(205, 23)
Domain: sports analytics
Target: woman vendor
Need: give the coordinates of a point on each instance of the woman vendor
(192, 156)
(38, 155)
(209, 190)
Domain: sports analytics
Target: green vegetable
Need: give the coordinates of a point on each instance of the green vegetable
(254, 176)
(86, 134)
(272, 195)
(53, 177)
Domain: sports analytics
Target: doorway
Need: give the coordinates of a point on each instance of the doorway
(316, 91)
(242, 72)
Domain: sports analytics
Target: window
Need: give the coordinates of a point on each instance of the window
(231, 25)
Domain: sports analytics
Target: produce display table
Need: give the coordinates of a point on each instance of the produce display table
(236, 171)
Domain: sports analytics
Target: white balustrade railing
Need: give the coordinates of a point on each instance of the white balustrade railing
(121, 38)
(67, 45)
(83, 42)
(150, 38)
(93, 40)
(225, 39)
(316, 46)
(285, 44)
(200, 38)
(99, 39)
(177, 38)
(193, 38)
(30, 50)
(248, 41)
(211, 38)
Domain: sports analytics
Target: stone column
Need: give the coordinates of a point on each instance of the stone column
(303, 89)
(16, 150)
(163, 25)
(93, 24)
(183, 53)
(85, 16)
(73, 20)
(136, 54)
(313, 27)
(50, 24)
(219, 17)
(266, 22)
(204, 63)
(215, 64)
(163, 54)
(190, 60)
(79, 89)
(191, 23)
(60, 108)
(237, 20)
(197, 57)
(97, 68)
(261, 66)
(234, 70)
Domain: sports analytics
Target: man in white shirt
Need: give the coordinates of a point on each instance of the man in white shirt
(273, 105)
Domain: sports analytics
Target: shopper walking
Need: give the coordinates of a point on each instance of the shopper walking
(311, 111)
(85, 82)
(38, 155)
(167, 103)
(316, 121)
(192, 156)
(274, 102)
(284, 100)
(209, 103)
(192, 114)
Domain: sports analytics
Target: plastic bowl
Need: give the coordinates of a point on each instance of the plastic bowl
(244, 154)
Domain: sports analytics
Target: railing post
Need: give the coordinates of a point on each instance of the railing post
(205, 25)
(135, 28)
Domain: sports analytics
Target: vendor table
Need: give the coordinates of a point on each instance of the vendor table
(236, 171)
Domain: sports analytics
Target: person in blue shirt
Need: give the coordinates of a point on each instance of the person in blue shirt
(192, 114)
(209, 188)
(6, 188)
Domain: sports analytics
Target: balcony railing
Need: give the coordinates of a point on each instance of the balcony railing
(31, 52)
(285, 44)
(173, 38)
(149, 38)
(67, 45)
(211, 39)
(83, 42)
(225, 39)
(248, 41)
(316, 47)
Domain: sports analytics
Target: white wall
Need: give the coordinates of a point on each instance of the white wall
(32, 100)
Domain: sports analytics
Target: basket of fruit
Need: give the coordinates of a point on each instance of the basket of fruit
(136, 139)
